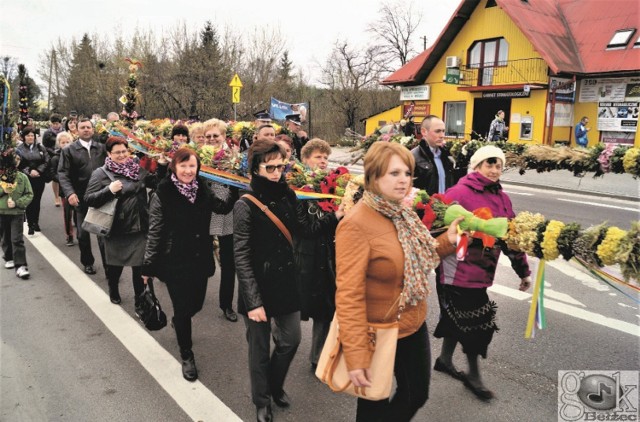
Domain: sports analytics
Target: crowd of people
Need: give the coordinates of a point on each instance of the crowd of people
(293, 261)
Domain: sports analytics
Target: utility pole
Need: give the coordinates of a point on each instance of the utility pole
(424, 42)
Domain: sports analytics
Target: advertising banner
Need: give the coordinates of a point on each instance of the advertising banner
(279, 109)
(618, 116)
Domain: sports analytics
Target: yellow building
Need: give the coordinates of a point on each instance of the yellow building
(546, 64)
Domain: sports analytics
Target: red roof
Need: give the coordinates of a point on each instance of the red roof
(571, 36)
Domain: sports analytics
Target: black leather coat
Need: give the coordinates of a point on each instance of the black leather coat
(132, 214)
(426, 172)
(265, 265)
(179, 246)
(36, 158)
(75, 167)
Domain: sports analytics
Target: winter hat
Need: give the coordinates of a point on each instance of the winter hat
(489, 151)
(179, 129)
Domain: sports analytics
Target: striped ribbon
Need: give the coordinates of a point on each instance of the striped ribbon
(537, 318)
(609, 279)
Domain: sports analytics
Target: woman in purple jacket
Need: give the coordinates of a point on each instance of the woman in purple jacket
(467, 315)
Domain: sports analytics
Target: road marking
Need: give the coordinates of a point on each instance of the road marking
(598, 204)
(193, 397)
(570, 310)
(510, 192)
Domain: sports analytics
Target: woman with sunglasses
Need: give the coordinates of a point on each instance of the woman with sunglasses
(122, 177)
(268, 287)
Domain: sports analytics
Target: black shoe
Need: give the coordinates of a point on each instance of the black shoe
(69, 241)
(36, 227)
(230, 315)
(450, 370)
(282, 399)
(480, 391)
(114, 296)
(31, 232)
(189, 371)
(89, 269)
(264, 414)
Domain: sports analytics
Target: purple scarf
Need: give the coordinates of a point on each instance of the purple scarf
(189, 190)
(129, 169)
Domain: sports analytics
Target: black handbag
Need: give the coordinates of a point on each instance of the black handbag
(149, 310)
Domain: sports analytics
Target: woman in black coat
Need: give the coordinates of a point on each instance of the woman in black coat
(34, 162)
(179, 249)
(122, 177)
(267, 275)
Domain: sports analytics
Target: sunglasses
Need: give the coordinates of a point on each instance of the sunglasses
(272, 168)
(212, 136)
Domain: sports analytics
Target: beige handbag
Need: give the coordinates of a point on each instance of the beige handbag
(332, 367)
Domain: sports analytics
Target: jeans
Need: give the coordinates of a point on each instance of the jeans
(267, 374)
(11, 229)
(412, 369)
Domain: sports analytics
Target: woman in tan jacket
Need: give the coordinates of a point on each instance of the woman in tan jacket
(383, 250)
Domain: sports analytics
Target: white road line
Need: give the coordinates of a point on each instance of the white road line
(598, 204)
(194, 398)
(510, 192)
(573, 311)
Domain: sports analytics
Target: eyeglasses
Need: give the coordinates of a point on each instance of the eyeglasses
(212, 136)
(122, 152)
(271, 168)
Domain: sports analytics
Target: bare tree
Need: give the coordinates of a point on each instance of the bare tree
(8, 67)
(348, 73)
(394, 30)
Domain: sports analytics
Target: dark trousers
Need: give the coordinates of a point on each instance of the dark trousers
(11, 229)
(115, 271)
(227, 271)
(267, 373)
(84, 241)
(319, 334)
(67, 214)
(33, 209)
(187, 298)
(412, 369)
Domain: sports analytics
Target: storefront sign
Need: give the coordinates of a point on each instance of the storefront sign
(452, 76)
(416, 108)
(610, 89)
(422, 92)
(565, 89)
(506, 94)
(619, 138)
(618, 116)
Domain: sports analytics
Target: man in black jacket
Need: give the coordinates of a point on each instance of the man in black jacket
(434, 171)
(77, 162)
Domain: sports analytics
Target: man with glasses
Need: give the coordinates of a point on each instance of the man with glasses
(77, 162)
(434, 171)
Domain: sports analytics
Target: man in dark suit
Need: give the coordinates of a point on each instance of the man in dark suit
(434, 171)
(77, 162)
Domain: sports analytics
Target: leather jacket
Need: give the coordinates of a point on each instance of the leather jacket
(426, 172)
(76, 166)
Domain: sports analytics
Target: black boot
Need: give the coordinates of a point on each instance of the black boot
(189, 370)
(263, 414)
(114, 293)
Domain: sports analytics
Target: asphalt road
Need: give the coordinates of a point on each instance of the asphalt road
(68, 354)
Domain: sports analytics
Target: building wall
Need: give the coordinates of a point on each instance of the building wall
(388, 116)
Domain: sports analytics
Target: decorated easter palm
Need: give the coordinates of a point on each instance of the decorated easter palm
(496, 227)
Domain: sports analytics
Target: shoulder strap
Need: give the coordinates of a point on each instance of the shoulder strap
(271, 216)
(108, 173)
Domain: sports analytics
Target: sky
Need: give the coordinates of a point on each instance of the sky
(28, 28)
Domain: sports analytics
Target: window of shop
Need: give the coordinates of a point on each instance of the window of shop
(485, 55)
(454, 114)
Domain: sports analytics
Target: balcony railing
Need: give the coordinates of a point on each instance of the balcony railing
(524, 71)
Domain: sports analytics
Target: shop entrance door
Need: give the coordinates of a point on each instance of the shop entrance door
(484, 111)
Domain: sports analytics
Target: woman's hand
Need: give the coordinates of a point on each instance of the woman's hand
(34, 173)
(115, 186)
(163, 161)
(11, 203)
(525, 283)
(452, 232)
(340, 212)
(145, 279)
(258, 315)
(360, 377)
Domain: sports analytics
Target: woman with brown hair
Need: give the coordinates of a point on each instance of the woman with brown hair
(179, 249)
(34, 162)
(383, 256)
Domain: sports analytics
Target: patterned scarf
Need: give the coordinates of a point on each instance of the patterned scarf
(129, 169)
(418, 246)
(189, 190)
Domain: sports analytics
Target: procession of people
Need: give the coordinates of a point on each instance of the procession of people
(292, 260)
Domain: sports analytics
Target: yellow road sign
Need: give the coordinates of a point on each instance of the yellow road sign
(236, 82)
(235, 94)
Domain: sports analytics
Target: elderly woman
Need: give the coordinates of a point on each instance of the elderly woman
(180, 134)
(34, 162)
(315, 259)
(122, 177)
(464, 282)
(62, 140)
(214, 132)
(179, 248)
(383, 251)
(196, 133)
(268, 288)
